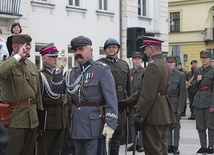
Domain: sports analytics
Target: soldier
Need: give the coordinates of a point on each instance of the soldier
(204, 102)
(180, 68)
(121, 73)
(176, 93)
(51, 140)
(191, 90)
(154, 113)
(136, 76)
(19, 79)
(94, 102)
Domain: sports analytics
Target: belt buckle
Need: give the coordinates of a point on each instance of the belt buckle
(30, 101)
(119, 88)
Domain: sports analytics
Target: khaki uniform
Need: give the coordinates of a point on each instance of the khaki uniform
(176, 93)
(121, 73)
(23, 118)
(155, 110)
(136, 84)
(52, 138)
(202, 102)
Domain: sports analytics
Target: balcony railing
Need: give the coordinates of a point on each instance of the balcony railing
(10, 7)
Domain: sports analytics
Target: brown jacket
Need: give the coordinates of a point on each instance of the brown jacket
(153, 109)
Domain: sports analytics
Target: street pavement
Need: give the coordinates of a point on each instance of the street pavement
(189, 141)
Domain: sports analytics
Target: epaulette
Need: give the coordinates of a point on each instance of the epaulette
(100, 63)
(153, 60)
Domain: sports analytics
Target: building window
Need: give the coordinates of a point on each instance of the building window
(102, 53)
(176, 52)
(142, 8)
(76, 3)
(38, 57)
(105, 5)
(71, 60)
(45, 1)
(175, 22)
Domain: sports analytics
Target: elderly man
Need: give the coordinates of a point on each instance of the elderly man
(154, 113)
(19, 79)
(93, 97)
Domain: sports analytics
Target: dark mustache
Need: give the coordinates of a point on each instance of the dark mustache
(78, 56)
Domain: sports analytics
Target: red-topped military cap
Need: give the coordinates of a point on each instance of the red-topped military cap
(147, 40)
(49, 50)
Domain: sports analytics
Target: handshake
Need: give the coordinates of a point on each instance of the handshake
(61, 61)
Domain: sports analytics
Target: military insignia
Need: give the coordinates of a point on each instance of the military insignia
(86, 77)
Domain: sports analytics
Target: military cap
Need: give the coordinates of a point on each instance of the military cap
(137, 55)
(205, 54)
(178, 63)
(21, 39)
(170, 59)
(80, 41)
(147, 40)
(193, 61)
(49, 50)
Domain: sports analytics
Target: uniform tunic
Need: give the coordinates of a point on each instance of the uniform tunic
(24, 120)
(121, 73)
(97, 85)
(136, 74)
(202, 102)
(52, 138)
(177, 86)
(154, 111)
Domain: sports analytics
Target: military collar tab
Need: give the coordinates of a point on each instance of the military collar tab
(112, 59)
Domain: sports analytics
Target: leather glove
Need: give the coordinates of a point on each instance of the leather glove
(138, 126)
(107, 132)
(61, 60)
(122, 104)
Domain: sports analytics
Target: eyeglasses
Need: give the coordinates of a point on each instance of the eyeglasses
(204, 57)
(114, 47)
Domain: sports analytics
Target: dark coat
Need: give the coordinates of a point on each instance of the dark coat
(153, 109)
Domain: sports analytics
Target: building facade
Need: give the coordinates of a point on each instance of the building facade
(190, 29)
(57, 21)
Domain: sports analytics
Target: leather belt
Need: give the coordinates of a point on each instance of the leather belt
(24, 102)
(161, 93)
(172, 95)
(53, 105)
(206, 88)
(88, 103)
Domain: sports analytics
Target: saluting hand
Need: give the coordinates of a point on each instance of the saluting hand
(22, 51)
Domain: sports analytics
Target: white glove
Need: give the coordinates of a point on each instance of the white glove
(107, 132)
(61, 60)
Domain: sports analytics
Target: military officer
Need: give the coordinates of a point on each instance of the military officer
(204, 102)
(19, 80)
(121, 73)
(154, 113)
(51, 140)
(176, 93)
(191, 90)
(136, 76)
(94, 102)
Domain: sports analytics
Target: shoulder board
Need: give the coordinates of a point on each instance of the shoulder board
(100, 63)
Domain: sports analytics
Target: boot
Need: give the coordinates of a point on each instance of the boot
(170, 149)
(114, 152)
